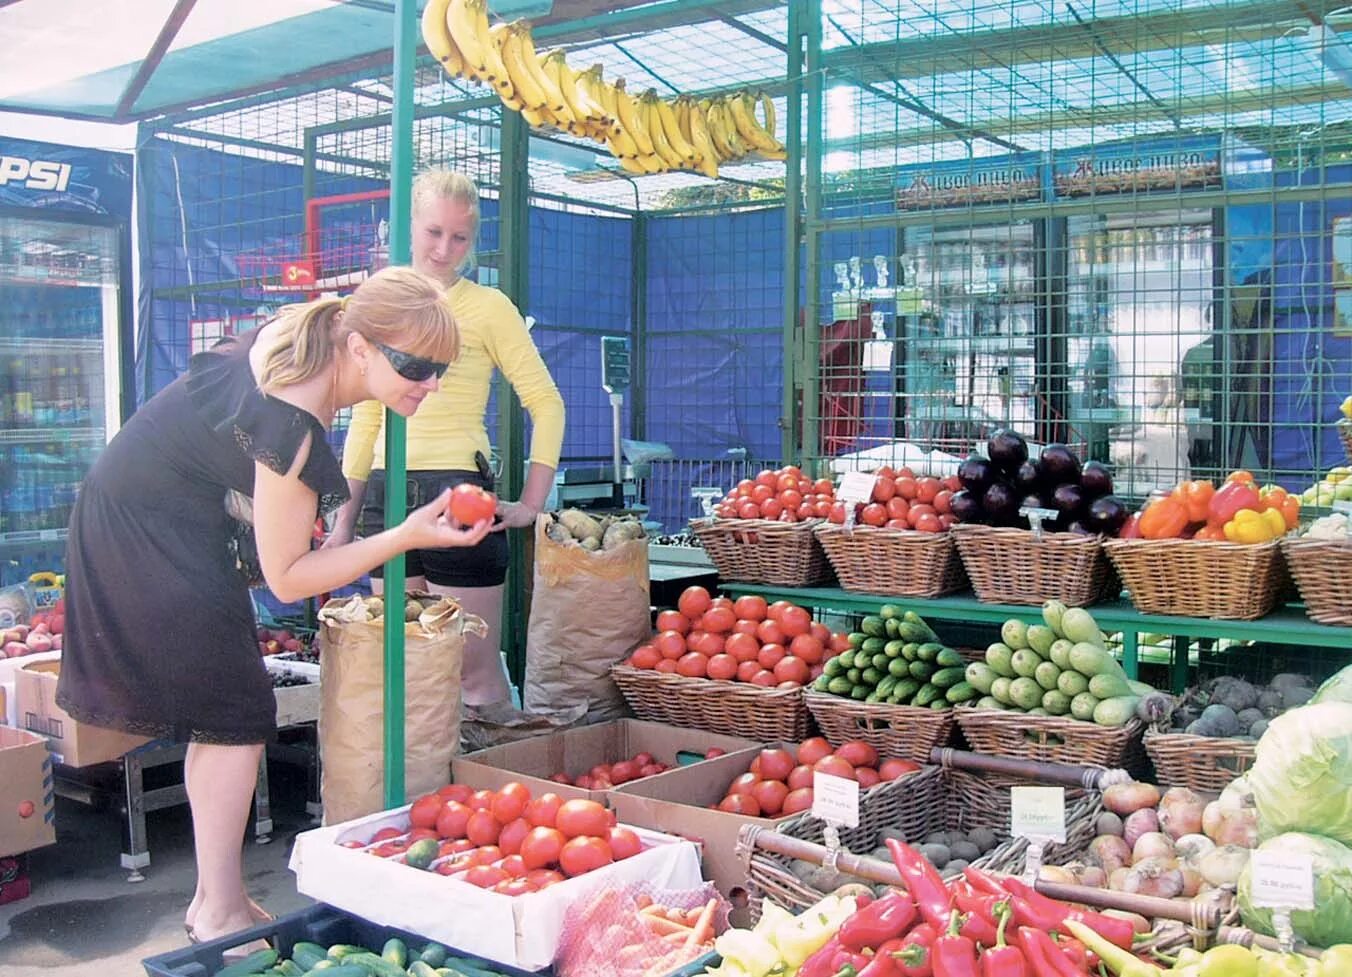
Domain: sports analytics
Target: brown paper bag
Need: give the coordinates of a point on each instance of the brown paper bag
(588, 610)
(352, 701)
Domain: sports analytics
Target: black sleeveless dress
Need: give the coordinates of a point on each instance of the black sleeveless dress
(160, 633)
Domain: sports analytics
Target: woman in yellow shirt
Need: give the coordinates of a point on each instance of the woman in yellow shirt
(447, 441)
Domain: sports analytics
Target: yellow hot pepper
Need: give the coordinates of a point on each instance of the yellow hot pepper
(1250, 526)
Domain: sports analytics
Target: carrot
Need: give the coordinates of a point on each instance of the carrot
(663, 926)
(643, 900)
(678, 938)
(703, 930)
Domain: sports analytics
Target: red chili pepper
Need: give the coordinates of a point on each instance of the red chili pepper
(1074, 951)
(923, 881)
(1001, 959)
(1046, 959)
(886, 918)
(915, 958)
(982, 913)
(954, 954)
(982, 882)
(1046, 914)
(880, 965)
(819, 964)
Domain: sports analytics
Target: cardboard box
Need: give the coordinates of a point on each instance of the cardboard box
(575, 751)
(295, 703)
(522, 932)
(27, 815)
(9, 713)
(74, 743)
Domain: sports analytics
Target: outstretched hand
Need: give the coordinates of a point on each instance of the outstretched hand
(514, 515)
(432, 527)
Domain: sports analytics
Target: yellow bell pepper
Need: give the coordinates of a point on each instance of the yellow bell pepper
(1228, 960)
(1250, 526)
(1335, 960)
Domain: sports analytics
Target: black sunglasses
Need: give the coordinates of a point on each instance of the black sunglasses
(410, 367)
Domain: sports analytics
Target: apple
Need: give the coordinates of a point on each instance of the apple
(56, 642)
(39, 642)
(291, 644)
(272, 647)
(16, 649)
(39, 628)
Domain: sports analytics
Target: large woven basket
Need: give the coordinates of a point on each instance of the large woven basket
(906, 732)
(935, 798)
(1200, 578)
(1322, 569)
(1205, 763)
(730, 708)
(1052, 739)
(1012, 566)
(784, 554)
(895, 562)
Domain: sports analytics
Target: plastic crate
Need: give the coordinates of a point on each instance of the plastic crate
(318, 924)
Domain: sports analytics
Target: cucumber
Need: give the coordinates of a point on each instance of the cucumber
(989, 702)
(340, 950)
(871, 647)
(890, 612)
(1139, 688)
(886, 686)
(378, 966)
(434, 954)
(338, 970)
(1025, 662)
(855, 675)
(904, 691)
(927, 695)
(840, 685)
(860, 692)
(871, 677)
(948, 658)
(1079, 626)
(395, 951)
(1108, 686)
(941, 703)
(834, 666)
(929, 651)
(822, 683)
(1055, 702)
(1060, 653)
(915, 621)
(922, 670)
(420, 969)
(1015, 634)
(1000, 690)
(1116, 711)
(872, 626)
(1072, 683)
(307, 954)
(908, 651)
(891, 628)
(875, 697)
(899, 668)
(856, 638)
(880, 662)
(1025, 693)
(254, 963)
(289, 968)
(1041, 638)
(1046, 675)
(893, 648)
(980, 675)
(946, 677)
(1083, 705)
(1000, 657)
(962, 692)
(471, 967)
(323, 967)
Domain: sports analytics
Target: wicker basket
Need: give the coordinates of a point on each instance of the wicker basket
(1206, 763)
(730, 708)
(1200, 578)
(1051, 739)
(933, 799)
(784, 554)
(906, 732)
(1011, 566)
(1322, 569)
(1345, 435)
(895, 562)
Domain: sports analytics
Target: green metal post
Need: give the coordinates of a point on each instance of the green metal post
(812, 191)
(793, 240)
(513, 213)
(396, 473)
(638, 306)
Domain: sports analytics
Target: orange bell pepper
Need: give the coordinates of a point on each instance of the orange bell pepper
(1229, 499)
(1195, 497)
(1213, 533)
(1276, 497)
(1240, 475)
(1163, 519)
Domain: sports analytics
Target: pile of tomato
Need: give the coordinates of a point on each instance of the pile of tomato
(779, 780)
(743, 640)
(903, 500)
(506, 840)
(785, 495)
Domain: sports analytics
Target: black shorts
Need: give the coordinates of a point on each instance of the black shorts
(484, 565)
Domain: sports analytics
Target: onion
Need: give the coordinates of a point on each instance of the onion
(1108, 823)
(1238, 828)
(1056, 873)
(1109, 852)
(1117, 878)
(1141, 822)
(1092, 876)
(1192, 880)
(1138, 922)
(1237, 794)
(1123, 799)
(1180, 812)
(1154, 877)
(1152, 845)
(1190, 848)
(1222, 866)
(1212, 815)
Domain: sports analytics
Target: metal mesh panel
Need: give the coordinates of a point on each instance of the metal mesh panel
(1112, 224)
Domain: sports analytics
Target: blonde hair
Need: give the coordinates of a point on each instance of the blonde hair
(440, 183)
(396, 306)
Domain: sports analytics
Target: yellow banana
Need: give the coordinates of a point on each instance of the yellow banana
(537, 118)
(700, 139)
(768, 106)
(672, 129)
(652, 121)
(569, 118)
(437, 36)
(530, 61)
(528, 91)
(590, 111)
(463, 19)
(714, 124)
(497, 71)
(736, 147)
(499, 35)
(740, 107)
(597, 90)
(627, 111)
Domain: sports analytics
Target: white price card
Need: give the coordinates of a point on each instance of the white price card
(1038, 812)
(835, 799)
(1282, 880)
(856, 487)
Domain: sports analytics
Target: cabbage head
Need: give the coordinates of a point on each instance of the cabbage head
(1302, 772)
(1338, 688)
(1330, 921)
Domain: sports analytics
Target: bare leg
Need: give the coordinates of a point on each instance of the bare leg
(220, 782)
(482, 677)
(410, 583)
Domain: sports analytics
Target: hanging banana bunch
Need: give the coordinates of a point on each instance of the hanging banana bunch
(647, 134)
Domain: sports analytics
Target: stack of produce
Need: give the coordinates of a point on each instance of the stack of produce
(1335, 486)
(1232, 707)
(994, 488)
(1237, 512)
(781, 945)
(779, 780)
(901, 500)
(603, 776)
(746, 640)
(573, 527)
(785, 494)
(896, 658)
(1057, 668)
(395, 957)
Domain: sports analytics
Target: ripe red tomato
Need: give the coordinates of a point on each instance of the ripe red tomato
(582, 817)
(453, 819)
(769, 656)
(750, 607)
(894, 768)
(723, 666)
(918, 510)
(867, 777)
(692, 665)
(769, 795)
(542, 810)
(667, 666)
(743, 783)
(767, 478)
(907, 488)
(927, 488)
(800, 776)
(775, 764)
(459, 846)
(835, 766)
(743, 489)
(584, 854)
(748, 670)
(808, 647)
(929, 523)
(693, 601)
(742, 647)
(483, 828)
(485, 876)
(510, 802)
(836, 513)
(792, 669)
(884, 489)
(943, 501)
(417, 834)
(797, 800)
(385, 834)
(456, 792)
(776, 610)
(541, 846)
(513, 865)
(471, 504)
(670, 644)
(514, 887)
(824, 486)
(673, 621)
(719, 620)
(512, 834)
(770, 633)
(740, 804)
(624, 843)
(772, 509)
(764, 678)
(481, 800)
(791, 499)
(897, 507)
(645, 656)
(795, 621)
(423, 813)
(874, 514)
(747, 627)
(542, 878)
(858, 753)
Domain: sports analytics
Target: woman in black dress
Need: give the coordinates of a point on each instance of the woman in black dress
(160, 633)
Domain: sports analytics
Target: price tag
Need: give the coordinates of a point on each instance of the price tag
(1038, 812)
(1036, 515)
(856, 487)
(1282, 880)
(835, 800)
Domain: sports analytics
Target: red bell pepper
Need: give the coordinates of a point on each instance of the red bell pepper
(983, 912)
(981, 882)
(1229, 499)
(924, 883)
(916, 957)
(884, 919)
(1032, 908)
(1042, 955)
(955, 954)
(1001, 959)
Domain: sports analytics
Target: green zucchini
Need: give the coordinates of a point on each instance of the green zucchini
(254, 963)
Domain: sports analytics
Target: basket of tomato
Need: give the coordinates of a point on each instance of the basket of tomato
(898, 542)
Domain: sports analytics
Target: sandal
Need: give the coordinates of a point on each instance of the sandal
(259, 914)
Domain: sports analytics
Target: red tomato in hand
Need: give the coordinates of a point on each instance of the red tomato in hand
(471, 504)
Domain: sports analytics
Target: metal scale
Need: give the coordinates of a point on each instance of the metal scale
(610, 486)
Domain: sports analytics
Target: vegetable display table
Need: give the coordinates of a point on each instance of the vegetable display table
(1286, 625)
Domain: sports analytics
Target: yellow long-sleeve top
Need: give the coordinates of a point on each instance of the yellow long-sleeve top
(449, 424)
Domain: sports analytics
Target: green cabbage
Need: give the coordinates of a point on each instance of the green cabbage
(1336, 689)
(1302, 772)
(1330, 921)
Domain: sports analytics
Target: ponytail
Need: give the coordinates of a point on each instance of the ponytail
(305, 343)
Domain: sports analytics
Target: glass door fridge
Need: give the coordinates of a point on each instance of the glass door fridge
(61, 353)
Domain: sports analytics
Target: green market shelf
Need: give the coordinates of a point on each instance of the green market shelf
(1287, 625)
